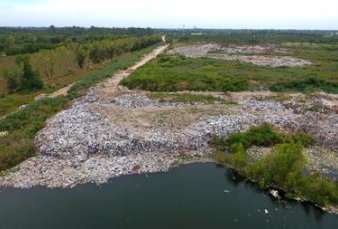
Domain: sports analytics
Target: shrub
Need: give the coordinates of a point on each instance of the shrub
(321, 190)
(311, 84)
(12, 81)
(282, 168)
(263, 135)
(235, 84)
(238, 156)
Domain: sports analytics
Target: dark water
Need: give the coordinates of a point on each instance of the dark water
(187, 197)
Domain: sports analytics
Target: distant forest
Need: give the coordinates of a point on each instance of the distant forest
(243, 36)
(17, 40)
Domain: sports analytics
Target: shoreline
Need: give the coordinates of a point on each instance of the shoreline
(175, 164)
(97, 170)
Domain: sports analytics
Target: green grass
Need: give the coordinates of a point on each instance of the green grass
(168, 73)
(10, 103)
(23, 124)
(282, 168)
(185, 98)
(307, 85)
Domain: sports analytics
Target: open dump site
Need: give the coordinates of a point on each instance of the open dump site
(114, 131)
(246, 53)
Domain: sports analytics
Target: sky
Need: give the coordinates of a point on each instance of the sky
(222, 14)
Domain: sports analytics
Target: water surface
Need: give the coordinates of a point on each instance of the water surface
(192, 196)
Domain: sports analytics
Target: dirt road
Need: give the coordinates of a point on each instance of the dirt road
(111, 84)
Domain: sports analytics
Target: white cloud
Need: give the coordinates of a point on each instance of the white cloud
(294, 14)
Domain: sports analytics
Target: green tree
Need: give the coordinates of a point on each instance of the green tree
(30, 79)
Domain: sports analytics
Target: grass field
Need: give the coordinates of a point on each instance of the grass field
(176, 73)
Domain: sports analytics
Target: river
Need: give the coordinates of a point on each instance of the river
(192, 196)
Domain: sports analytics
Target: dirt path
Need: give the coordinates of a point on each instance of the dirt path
(61, 92)
(112, 84)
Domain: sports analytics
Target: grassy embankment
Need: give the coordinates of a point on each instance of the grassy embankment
(24, 123)
(168, 73)
(283, 168)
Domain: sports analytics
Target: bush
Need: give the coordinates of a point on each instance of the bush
(311, 84)
(283, 168)
(320, 190)
(235, 84)
(238, 156)
(304, 139)
(263, 135)
(12, 81)
(14, 150)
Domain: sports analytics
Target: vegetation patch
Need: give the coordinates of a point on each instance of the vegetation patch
(283, 168)
(185, 98)
(22, 126)
(310, 84)
(178, 73)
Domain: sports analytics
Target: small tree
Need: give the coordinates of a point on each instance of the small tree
(30, 79)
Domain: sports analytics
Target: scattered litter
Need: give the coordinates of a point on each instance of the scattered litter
(3, 133)
(275, 193)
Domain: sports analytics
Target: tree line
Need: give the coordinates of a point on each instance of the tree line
(15, 41)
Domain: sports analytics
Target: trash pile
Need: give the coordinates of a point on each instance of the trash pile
(234, 53)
